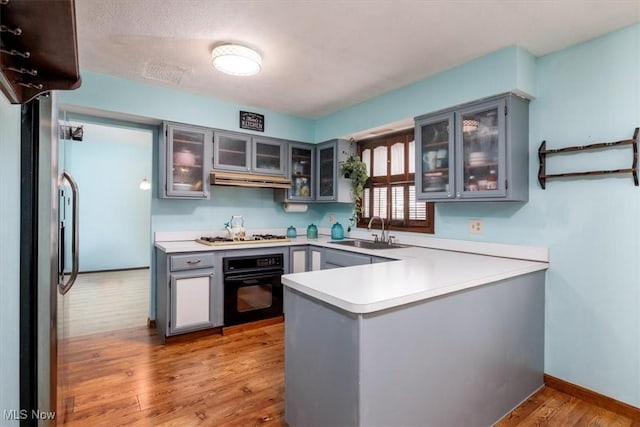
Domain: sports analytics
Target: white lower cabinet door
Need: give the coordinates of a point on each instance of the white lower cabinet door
(298, 260)
(316, 259)
(191, 300)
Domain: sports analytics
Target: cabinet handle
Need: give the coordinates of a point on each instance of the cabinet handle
(195, 261)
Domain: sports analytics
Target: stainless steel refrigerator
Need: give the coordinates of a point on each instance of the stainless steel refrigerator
(49, 240)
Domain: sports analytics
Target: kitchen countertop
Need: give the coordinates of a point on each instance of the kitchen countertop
(420, 273)
(193, 246)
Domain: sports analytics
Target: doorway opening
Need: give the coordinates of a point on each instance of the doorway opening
(112, 165)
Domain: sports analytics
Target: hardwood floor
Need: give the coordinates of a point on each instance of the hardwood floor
(127, 378)
(105, 301)
(550, 407)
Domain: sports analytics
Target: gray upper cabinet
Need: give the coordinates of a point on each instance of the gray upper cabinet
(268, 156)
(231, 151)
(477, 151)
(330, 186)
(301, 167)
(185, 161)
(235, 151)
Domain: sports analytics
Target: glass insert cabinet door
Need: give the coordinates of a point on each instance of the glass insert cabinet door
(301, 172)
(186, 170)
(435, 156)
(482, 145)
(326, 172)
(231, 151)
(268, 156)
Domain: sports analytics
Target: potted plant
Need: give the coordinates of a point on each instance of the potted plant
(355, 170)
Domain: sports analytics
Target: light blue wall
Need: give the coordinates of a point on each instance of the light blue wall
(136, 99)
(102, 92)
(108, 166)
(585, 94)
(9, 255)
(509, 69)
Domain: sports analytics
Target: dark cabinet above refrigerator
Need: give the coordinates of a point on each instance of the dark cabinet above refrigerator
(38, 48)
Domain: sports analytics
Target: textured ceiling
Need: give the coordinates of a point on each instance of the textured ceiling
(322, 56)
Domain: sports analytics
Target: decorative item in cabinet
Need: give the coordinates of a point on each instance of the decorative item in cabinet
(232, 151)
(434, 162)
(184, 161)
(476, 151)
(268, 156)
(301, 172)
(543, 152)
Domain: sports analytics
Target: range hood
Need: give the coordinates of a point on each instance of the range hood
(38, 48)
(249, 180)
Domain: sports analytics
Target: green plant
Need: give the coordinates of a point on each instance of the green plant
(355, 170)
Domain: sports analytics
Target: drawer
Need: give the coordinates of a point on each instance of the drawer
(191, 261)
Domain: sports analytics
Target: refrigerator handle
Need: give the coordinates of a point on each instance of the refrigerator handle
(65, 287)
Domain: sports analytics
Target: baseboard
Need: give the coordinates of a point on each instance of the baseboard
(592, 397)
(151, 323)
(227, 330)
(191, 336)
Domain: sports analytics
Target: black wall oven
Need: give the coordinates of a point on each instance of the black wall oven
(252, 288)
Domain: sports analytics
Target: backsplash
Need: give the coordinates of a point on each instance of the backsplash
(256, 205)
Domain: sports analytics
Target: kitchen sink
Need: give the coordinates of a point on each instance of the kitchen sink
(367, 244)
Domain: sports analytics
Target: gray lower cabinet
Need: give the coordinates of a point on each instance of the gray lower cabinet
(348, 369)
(377, 259)
(312, 258)
(333, 258)
(186, 299)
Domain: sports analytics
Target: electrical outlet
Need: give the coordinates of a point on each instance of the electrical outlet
(332, 218)
(475, 226)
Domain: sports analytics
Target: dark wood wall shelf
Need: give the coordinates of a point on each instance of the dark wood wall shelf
(38, 48)
(543, 152)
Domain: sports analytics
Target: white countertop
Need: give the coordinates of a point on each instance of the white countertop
(420, 273)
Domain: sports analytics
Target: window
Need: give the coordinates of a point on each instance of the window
(390, 191)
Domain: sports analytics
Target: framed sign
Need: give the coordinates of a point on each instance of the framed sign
(251, 121)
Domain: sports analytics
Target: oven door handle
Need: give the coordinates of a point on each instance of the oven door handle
(252, 278)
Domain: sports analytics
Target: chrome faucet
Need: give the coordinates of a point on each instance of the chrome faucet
(383, 238)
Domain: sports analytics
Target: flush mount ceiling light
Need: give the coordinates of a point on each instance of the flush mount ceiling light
(236, 60)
